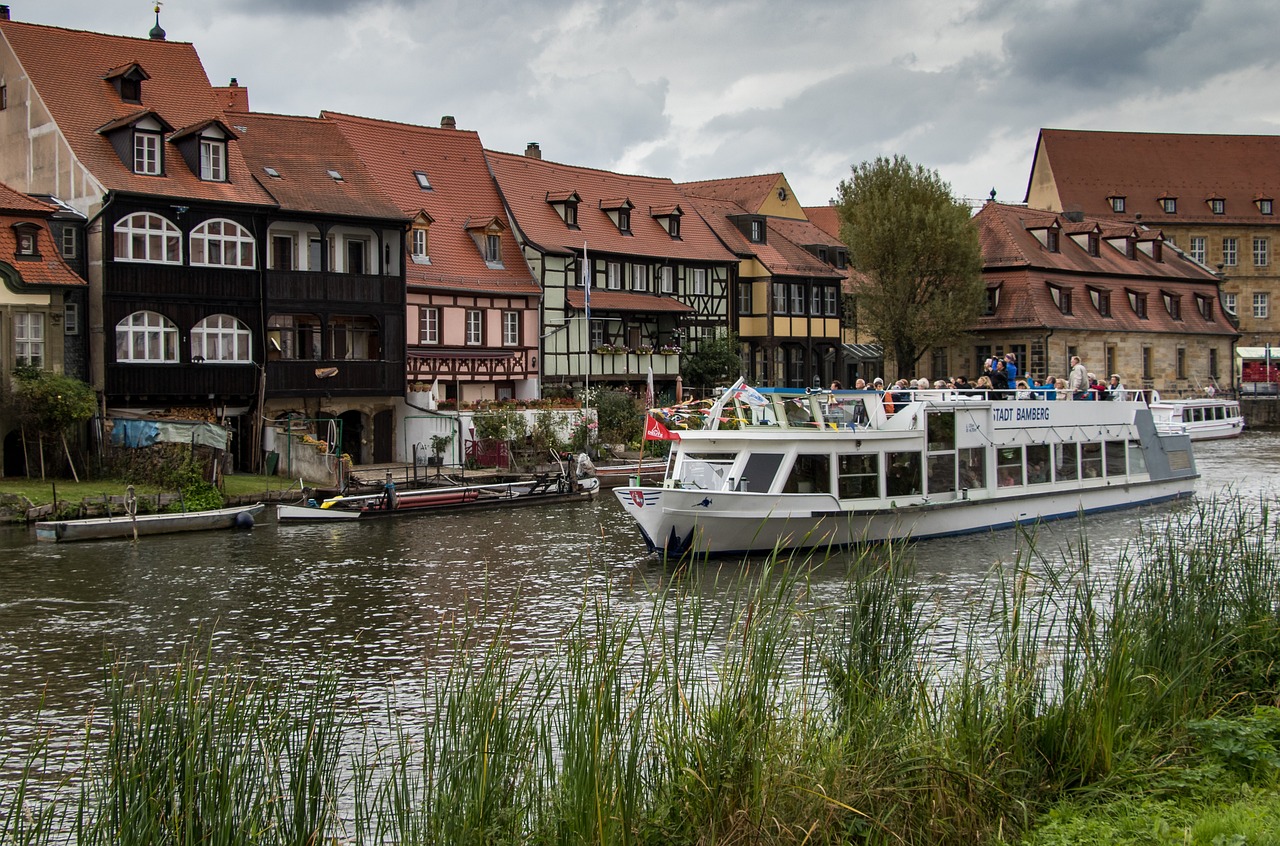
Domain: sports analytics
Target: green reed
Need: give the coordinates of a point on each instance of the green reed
(775, 716)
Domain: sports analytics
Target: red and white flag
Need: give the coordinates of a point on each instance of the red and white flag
(655, 431)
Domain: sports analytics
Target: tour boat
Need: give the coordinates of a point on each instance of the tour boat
(1202, 419)
(794, 469)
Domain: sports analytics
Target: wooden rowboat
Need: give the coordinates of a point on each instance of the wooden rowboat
(128, 526)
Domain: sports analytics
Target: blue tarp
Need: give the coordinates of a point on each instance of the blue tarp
(144, 433)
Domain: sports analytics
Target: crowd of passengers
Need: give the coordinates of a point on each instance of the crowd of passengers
(1001, 379)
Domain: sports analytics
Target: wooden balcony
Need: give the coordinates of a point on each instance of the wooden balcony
(180, 383)
(295, 288)
(635, 364)
(347, 378)
(161, 281)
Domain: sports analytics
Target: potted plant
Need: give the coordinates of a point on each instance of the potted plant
(439, 443)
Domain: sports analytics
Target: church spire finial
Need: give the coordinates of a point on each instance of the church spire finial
(157, 32)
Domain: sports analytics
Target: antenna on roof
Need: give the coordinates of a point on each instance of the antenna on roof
(157, 32)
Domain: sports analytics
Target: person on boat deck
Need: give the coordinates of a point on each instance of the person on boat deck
(1078, 379)
(1210, 390)
(1011, 367)
(1060, 388)
(1097, 390)
(961, 383)
(860, 385)
(1116, 389)
(902, 393)
(1023, 390)
(1000, 378)
(836, 386)
(389, 493)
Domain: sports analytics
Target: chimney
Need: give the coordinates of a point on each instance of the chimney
(448, 122)
(234, 97)
(4, 13)
(532, 150)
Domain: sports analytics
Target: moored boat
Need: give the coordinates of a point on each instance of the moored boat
(1201, 419)
(788, 469)
(392, 503)
(131, 526)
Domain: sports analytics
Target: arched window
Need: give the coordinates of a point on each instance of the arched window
(145, 336)
(222, 243)
(143, 236)
(220, 337)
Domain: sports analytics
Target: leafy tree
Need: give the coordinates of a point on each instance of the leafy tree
(919, 252)
(52, 403)
(717, 361)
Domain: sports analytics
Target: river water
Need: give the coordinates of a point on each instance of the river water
(373, 599)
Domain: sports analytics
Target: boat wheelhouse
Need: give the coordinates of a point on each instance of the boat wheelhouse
(787, 469)
(1201, 419)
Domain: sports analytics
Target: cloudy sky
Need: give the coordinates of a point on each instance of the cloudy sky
(702, 89)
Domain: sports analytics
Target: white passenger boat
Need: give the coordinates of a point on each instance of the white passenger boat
(786, 469)
(1202, 419)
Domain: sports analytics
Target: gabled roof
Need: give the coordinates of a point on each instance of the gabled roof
(51, 269)
(525, 183)
(1025, 269)
(782, 253)
(303, 150)
(462, 191)
(68, 70)
(1087, 168)
(749, 192)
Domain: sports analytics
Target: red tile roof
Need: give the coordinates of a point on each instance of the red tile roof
(69, 70)
(50, 268)
(782, 253)
(462, 192)
(749, 192)
(1143, 167)
(303, 150)
(1015, 259)
(826, 218)
(625, 301)
(526, 184)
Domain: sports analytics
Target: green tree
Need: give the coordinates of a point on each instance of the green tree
(717, 362)
(921, 255)
(50, 404)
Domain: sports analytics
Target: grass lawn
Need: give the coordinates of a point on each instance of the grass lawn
(41, 492)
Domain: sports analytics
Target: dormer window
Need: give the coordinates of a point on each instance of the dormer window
(757, 231)
(25, 236)
(1172, 304)
(1051, 239)
(619, 211)
(668, 218)
(127, 81)
(1169, 205)
(487, 234)
(1117, 203)
(842, 259)
(993, 301)
(423, 182)
(146, 153)
(1101, 300)
(1217, 205)
(493, 249)
(1263, 204)
(1138, 303)
(1204, 305)
(571, 215)
(213, 160)
(1095, 244)
(1061, 298)
(565, 204)
(418, 245)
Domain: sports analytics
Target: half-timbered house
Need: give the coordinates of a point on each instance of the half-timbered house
(656, 278)
(472, 321)
(786, 299)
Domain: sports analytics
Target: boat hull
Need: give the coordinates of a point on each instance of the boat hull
(106, 528)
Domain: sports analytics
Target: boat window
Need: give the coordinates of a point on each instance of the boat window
(809, 474)
(1114, 455)
(1091, 461)
(973, 468)
(1066, 462)
(859, 476)
(942, 473)
(704, 473)
(1038, 464)
(798, 412)
(1137, 461)
(1009, 466)
(942, 430)
(902, 475)
(759, 471)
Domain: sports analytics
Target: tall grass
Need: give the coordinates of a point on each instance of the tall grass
(776, 717)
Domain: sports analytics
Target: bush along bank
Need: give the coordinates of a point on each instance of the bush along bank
(1073, 697)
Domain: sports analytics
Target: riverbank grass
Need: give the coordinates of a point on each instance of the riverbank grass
(1126, 700)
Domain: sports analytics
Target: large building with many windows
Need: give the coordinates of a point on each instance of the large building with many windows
(1213, 196)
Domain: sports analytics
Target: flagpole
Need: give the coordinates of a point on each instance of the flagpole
(586, 294)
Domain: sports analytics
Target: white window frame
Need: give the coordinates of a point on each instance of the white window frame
(223, 243)
(699, 281)
(779, 294)
(667, 279)
(475, 327)
(148, 237)
(797, 298)
(1198, 251)
(815, 300)
(69, 242)
(511, 328)
(1169, 205)
(639, 277)
(29, 338)
(147, 158)
(1261, 251)
(213, 160)
(418, 241)
(146, 337)
(1117, 205)
(1230, 252)
(429, 325)
(613, 281)
(493, 248)
(1261, 305)
(1229, 303)
(831, 302)
(71, 318)
(222, 338)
